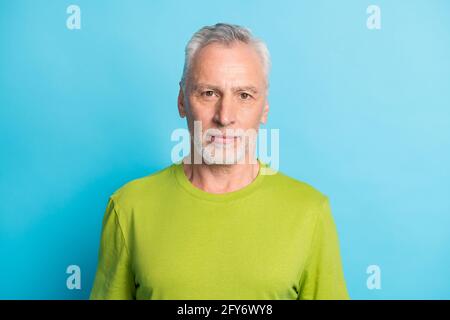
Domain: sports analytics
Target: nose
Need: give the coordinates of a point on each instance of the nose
(225, 114)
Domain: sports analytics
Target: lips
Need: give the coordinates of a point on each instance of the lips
(224, 139)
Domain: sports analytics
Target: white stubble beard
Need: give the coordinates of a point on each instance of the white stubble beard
(216, 153)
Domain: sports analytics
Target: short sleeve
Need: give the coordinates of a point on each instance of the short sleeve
(323, 277)
(114, 279)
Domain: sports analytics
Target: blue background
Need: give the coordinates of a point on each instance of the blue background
(363, 116)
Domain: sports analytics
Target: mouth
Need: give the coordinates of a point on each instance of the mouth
(219, 139)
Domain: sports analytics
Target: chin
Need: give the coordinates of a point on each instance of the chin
(224, 156)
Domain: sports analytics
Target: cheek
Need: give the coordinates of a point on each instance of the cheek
(251, 117)
(205, 116)
(201, 112)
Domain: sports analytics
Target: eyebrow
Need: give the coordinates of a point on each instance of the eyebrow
(246, 88)
(234, 89)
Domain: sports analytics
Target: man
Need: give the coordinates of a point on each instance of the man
(224, 227)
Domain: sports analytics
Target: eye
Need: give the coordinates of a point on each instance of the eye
(208, 93)
(245, 96)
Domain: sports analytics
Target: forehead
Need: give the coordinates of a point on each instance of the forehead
(237, 63)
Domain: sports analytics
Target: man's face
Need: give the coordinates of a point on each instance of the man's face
(226, 92)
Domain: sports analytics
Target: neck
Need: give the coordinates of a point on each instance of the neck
(218, 178)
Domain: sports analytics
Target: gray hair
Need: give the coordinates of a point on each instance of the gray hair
(223, 33)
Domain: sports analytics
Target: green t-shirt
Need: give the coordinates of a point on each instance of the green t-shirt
(164, 238)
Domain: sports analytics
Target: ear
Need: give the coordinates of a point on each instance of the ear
(265, 112)
(181, 106)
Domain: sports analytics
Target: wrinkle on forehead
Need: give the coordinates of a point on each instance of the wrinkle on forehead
(238, 65)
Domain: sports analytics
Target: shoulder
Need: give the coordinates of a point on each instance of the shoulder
(301, 202)
(294, 197)
(293, 188)
(142, 189)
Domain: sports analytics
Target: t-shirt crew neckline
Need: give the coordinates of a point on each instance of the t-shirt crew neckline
(186, 184)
